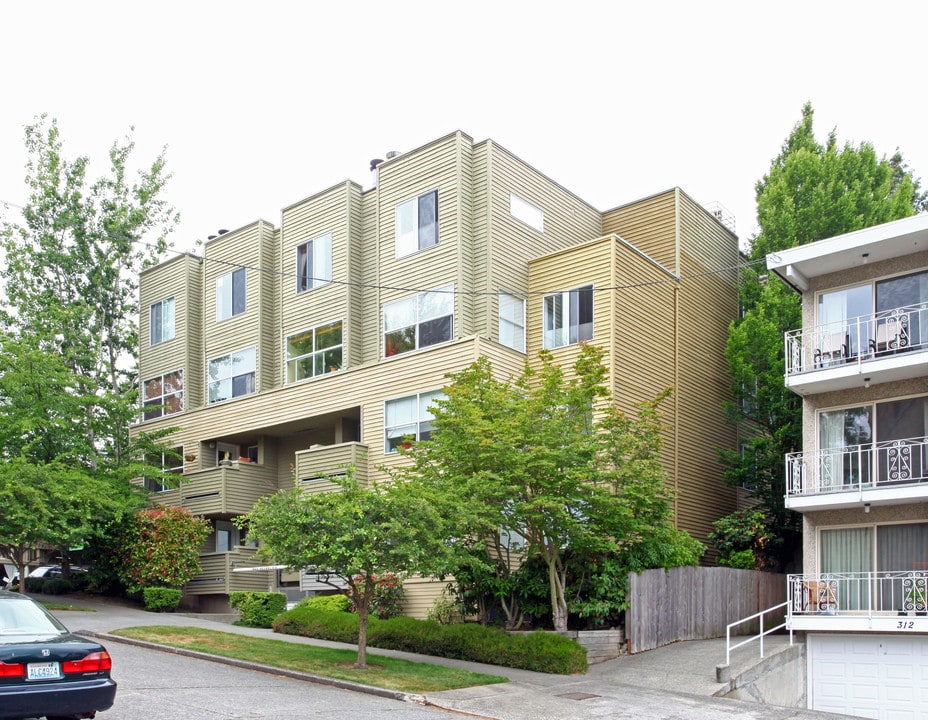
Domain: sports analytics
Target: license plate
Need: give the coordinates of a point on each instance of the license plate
(43, 671)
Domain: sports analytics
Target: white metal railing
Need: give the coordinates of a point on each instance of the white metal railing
(759, 636)
(861, 594)
(856, 468)
(857, 340)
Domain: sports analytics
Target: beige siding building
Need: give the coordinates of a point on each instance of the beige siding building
(285, 354)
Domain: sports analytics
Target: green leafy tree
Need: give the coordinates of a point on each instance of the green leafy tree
(162, 548)
(71, 274)
(354, 534)
(542, 477)
(811, 192)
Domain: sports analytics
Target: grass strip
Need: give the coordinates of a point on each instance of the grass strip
(383, 672)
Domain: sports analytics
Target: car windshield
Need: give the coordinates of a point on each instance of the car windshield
(24, 617)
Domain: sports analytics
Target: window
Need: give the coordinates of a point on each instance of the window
(526, 212)
(171, 463)
(232, 375)
(230, 294)
(227, 536)
(314, 352)
(314, 263)
(419, 321)
(886, 441)
(161, 323)
(568, 317)
(163, 395)
(512, 321)
(408, 418)
(417, 224)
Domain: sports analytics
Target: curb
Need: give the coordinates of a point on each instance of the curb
(270, 669)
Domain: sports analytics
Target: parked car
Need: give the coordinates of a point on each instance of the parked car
(44, 669)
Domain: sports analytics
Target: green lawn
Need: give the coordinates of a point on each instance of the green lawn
(382, 672)
(55, 606)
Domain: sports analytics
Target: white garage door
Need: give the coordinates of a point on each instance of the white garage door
(873, 676)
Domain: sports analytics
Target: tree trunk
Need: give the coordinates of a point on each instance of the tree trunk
(362, 603)
(558, 601)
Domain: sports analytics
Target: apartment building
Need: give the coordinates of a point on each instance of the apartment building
(285, 354)
(860, 363)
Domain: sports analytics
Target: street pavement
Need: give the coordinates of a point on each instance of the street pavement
(676, 682)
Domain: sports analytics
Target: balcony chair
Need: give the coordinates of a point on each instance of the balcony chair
(832, 348)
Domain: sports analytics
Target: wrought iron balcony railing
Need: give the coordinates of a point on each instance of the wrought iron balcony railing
(858, 594)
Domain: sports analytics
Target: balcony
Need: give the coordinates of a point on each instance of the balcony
(883, 347)
(891, 472)
(858, 602)
(227, 490)
(216, 576)
(315, 465)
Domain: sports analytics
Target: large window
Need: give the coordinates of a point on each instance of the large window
(230, 294)
(232, 375)
(314, 263)
(512, 321)
(314, 352)
(418, 321)
(568, 317)
(526, 212)
(163, 395)
(171, 463)
(885, 441)
(408, 418)
(417, 224)
(161, 321)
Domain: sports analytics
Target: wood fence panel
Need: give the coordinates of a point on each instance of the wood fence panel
(697, 603)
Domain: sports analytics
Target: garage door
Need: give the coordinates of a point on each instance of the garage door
(874, 676)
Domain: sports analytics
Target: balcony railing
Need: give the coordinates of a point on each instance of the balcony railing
(859, 594)
(857, 340)
(857, 468)
(315, 465)
(232, 489)
(216, 576)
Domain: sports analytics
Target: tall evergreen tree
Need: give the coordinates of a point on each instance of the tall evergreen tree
(811, 192)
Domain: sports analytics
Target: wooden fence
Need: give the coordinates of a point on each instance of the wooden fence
(696, 603)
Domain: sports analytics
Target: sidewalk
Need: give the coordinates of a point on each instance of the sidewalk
(676, 681)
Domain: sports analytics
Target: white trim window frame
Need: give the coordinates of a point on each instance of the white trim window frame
(169, 465)
(416, 224)
(314, 262)
(408, 418)
(314, 352)
(568, 317)
(161, 321)
(525, 212)
(230, 294)
(418, 321)
(163, 394)
(232, 375)
(512, 321)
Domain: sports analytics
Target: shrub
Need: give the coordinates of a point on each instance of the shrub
(258, 609)
(79, 580)
(55, 586)
(330, 603)
(445, 610)
(741, 559)
(161, 599)
(35, 584)
(538, 651)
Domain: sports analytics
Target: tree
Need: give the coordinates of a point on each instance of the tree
(162, 548)
(542, 477)
(353, 534)
(71, 276)
(811, 192)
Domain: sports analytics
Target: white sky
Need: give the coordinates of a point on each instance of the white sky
(261, 104)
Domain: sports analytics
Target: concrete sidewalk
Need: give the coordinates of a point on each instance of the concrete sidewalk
(676, 681)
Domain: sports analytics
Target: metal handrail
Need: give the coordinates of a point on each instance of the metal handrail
(760, 636)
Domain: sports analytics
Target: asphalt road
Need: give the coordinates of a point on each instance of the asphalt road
(160, 686)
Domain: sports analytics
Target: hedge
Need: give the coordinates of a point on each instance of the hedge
(161, 599)
(539, 651)
(258, 609)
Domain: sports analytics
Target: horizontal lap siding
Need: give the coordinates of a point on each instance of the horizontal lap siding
(329, 211)
(480, 260)
(367, 321)
(568, 221)
(178, 278)
(421, 594)
(709, 302)
(354, 323)
(649, 225)
(223, 255)
(269, 292)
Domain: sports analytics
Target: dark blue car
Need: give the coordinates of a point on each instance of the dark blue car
(44, 669)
